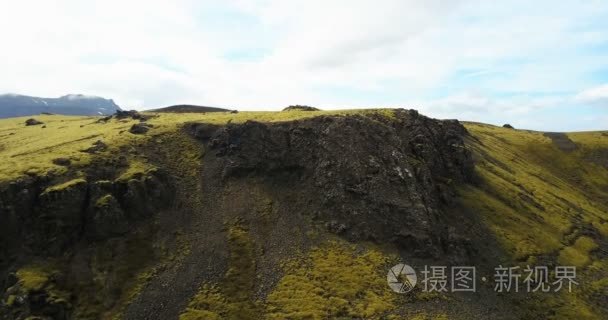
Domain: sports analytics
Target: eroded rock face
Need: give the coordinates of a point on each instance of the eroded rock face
(108, 218)
(368, 177)
(385, 179)
(45, 219)
(58, 215)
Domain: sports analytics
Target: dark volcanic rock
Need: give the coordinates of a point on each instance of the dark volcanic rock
(140, 128)
(108, 218)
(47, 221)
(203, 131)
(98, 146)
(508, 126)
(62, 162)
(367, 177)
(58, 215)
(104, 119)
(33, 122)
(143, 194)
(133, 114)
(561, 141)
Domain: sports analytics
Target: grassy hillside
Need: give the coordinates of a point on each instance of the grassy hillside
(32, 149)
(542, 197)
(547, 205)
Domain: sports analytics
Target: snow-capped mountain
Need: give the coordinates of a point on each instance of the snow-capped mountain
(14, 105)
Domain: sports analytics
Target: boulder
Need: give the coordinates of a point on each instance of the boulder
(62, 162)
(140, 128)
(98, 146)
(33, 122)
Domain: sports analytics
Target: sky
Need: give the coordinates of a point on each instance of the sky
(539, 65)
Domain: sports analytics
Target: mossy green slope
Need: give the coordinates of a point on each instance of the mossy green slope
(233, 297)
(32, 149)
(546, 205)
(336, 280)
(333, 281)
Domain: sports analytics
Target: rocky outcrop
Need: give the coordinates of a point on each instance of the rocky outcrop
(33, 122)
(42, 221)
(367, 177)
(56, 216)
(131, 114)
(383, 177)
(140, 128)
(98, 146)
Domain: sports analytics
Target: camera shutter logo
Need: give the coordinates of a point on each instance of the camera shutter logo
(401, 278)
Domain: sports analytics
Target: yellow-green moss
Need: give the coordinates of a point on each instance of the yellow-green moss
(64, 186)
(424, 316)
(120, 268)
(233, 297)
(430, 296)
(10, 300)
(189, 150)
(578, 253)
(39, 278)
(196, 314)
(334, 281)
(104, 201)
(136, 169)
(208, 303)
(536, 199)
(33, 278)
(532, 193)
(32, 149)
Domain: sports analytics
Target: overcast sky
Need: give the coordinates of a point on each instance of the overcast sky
(535, 64)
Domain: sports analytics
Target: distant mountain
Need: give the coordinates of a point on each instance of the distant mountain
(187, 108)
(14, 105)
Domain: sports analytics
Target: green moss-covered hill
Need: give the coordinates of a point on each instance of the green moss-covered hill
(293, 215)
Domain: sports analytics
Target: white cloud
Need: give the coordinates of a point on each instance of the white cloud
(474, 106)
(389, 52)
(597, 96)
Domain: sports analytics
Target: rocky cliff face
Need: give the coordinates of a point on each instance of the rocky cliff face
(41, 222)
(381, 178)
(367, 178)
(45, 219)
